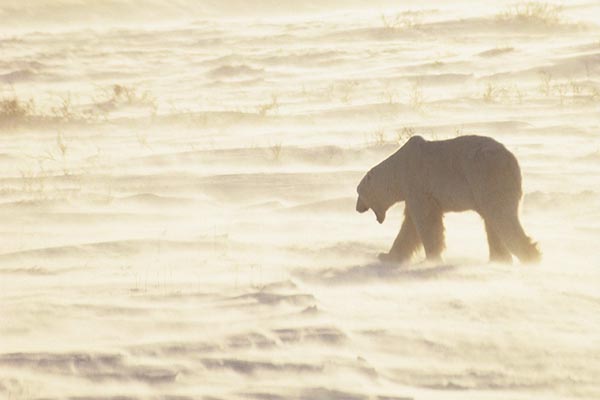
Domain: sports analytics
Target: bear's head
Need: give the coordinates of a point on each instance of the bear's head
(372, 194)
(382, 186)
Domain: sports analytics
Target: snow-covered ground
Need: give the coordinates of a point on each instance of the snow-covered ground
(178, 185)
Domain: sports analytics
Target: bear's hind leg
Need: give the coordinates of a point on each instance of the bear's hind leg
(513, 236)
(406, 243)
(498, 251)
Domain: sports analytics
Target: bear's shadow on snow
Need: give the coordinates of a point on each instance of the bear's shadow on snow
(376, 271)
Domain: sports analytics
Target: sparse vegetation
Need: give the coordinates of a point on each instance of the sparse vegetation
(567, 90)
(404, 134)
(131, 95)
(276, 151)
(14, 110)
(545, 83)
(33, 183)
(65, 112)
(379, 137)
(595, 93)
(403, 20)
(533, 12)
(519, 95)
(62, 152)
(264, 109)
(416, 97)
(490, 93)
(55, 155)
(120, 96)
(561, 90)
(60, 143)
(390, 95)
(346, 89)
(575, 87)
(507, 94)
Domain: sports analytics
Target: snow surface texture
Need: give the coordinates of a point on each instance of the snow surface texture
(178, 189)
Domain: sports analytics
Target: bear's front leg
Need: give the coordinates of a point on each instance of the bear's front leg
(428, 219)
(406, 243)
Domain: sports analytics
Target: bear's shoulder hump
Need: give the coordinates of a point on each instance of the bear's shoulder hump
(416, 139)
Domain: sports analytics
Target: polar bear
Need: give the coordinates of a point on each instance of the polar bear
(434, 177)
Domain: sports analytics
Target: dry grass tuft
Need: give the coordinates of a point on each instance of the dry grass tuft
(533, 12)
(276, 151)
(379, 137)
(13, 111)
(404, 134)
(264, 109)
(416, 97)
(403, 20)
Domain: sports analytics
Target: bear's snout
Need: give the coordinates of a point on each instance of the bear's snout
(361, 207)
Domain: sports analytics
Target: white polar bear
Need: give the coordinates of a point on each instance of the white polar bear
(433, 177)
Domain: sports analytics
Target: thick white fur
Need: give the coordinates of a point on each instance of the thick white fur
(433, 177)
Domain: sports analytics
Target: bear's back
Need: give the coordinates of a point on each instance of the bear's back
(457, 170)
